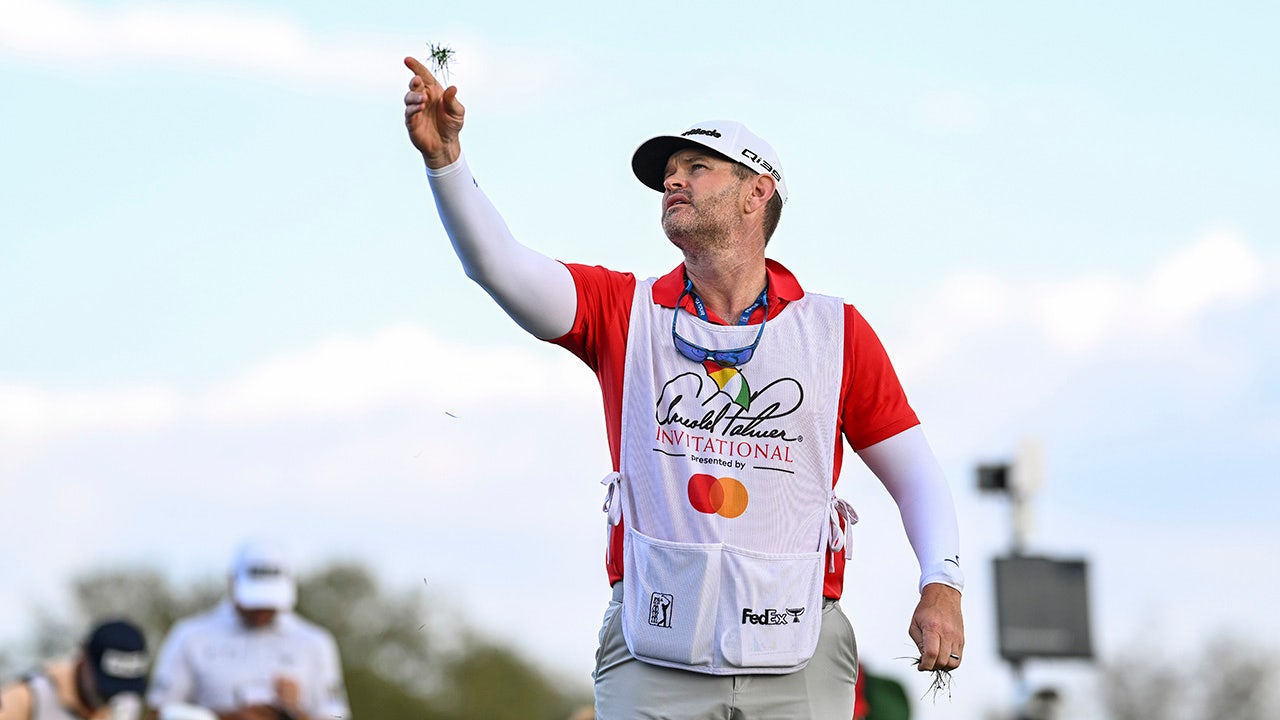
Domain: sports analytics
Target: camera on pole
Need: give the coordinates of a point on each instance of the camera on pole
(993, 477)
(1042, 603)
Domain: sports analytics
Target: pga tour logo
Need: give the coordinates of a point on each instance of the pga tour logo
(770, 616)
(660, 610)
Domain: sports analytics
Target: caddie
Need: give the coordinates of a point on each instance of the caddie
(727, 389)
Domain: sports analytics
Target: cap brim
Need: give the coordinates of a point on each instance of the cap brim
(275, 594)
(649, 162)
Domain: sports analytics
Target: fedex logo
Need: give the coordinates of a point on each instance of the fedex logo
(770, 616)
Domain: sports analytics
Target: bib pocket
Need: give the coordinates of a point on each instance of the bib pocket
(772, 610)
(669, 600)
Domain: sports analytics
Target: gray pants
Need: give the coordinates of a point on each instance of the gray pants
(629, 689)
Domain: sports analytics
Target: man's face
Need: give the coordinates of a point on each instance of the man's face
(702, 198)
(256, 617)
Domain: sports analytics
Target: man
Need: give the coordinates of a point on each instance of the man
(251, 658)
(105, 680)
(726, 388)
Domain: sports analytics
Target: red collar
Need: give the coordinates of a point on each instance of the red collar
(783, 288)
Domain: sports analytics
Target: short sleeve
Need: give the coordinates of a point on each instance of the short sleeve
(604, 311)
(874, 406)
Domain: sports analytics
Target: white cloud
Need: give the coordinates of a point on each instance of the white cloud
(348, 413)
(239, 38)
(269, 45)
(33, 414)
(1087, 314)
(1078, 314)
(341, 378)
(404, 363)
(42, 27)
(1219, 269)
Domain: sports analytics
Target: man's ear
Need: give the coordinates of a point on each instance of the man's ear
(762, 189)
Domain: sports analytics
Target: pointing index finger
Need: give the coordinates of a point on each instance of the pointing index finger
(420, 70)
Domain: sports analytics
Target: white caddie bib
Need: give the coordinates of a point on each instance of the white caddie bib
(725, 485)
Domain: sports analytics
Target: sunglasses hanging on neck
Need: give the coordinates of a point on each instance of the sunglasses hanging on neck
(725, 358)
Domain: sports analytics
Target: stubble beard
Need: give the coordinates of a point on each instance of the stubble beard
(703, 226)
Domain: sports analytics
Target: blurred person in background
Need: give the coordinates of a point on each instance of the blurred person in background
(251, 657)
(104, 681)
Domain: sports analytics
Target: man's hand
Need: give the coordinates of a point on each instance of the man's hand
(288, 694)
(433, 116)
(938, 629)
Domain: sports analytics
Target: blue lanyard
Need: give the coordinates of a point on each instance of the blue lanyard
(762, 301)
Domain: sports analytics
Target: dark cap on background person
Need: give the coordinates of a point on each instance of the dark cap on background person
(726, 137)
(262, 578)
(116, 652)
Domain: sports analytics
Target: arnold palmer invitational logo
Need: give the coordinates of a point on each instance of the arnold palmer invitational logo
(716, 418)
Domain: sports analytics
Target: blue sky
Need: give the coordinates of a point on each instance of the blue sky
(229, 309)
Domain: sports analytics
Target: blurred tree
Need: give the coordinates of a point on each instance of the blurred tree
(1135, 688)
(1239, 682)
(489, 682)
(399, 663)
(374, 697)
(383, 633)
(143, 595)
(52, 637)
(387, 658)
(1230, 680)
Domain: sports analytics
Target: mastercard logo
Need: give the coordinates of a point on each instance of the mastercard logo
(720, 496)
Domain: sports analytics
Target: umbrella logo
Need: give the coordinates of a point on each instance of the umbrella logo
(731, 382)
(722, 496)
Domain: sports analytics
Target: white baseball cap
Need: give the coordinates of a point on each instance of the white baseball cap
(731, 139)
(261, 578)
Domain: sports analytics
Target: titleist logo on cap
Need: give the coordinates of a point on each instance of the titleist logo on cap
(121, 664)
(700, 131)
(264, 571)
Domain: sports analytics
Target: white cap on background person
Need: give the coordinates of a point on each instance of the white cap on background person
(262, 577)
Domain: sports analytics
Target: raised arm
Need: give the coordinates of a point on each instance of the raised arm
(535, 290)
(906, 465)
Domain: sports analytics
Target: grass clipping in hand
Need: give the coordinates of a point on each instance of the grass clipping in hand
(941, 682)
(440, 56)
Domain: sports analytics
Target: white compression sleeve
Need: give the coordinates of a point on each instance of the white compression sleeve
(535, 290)
(906, 465)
